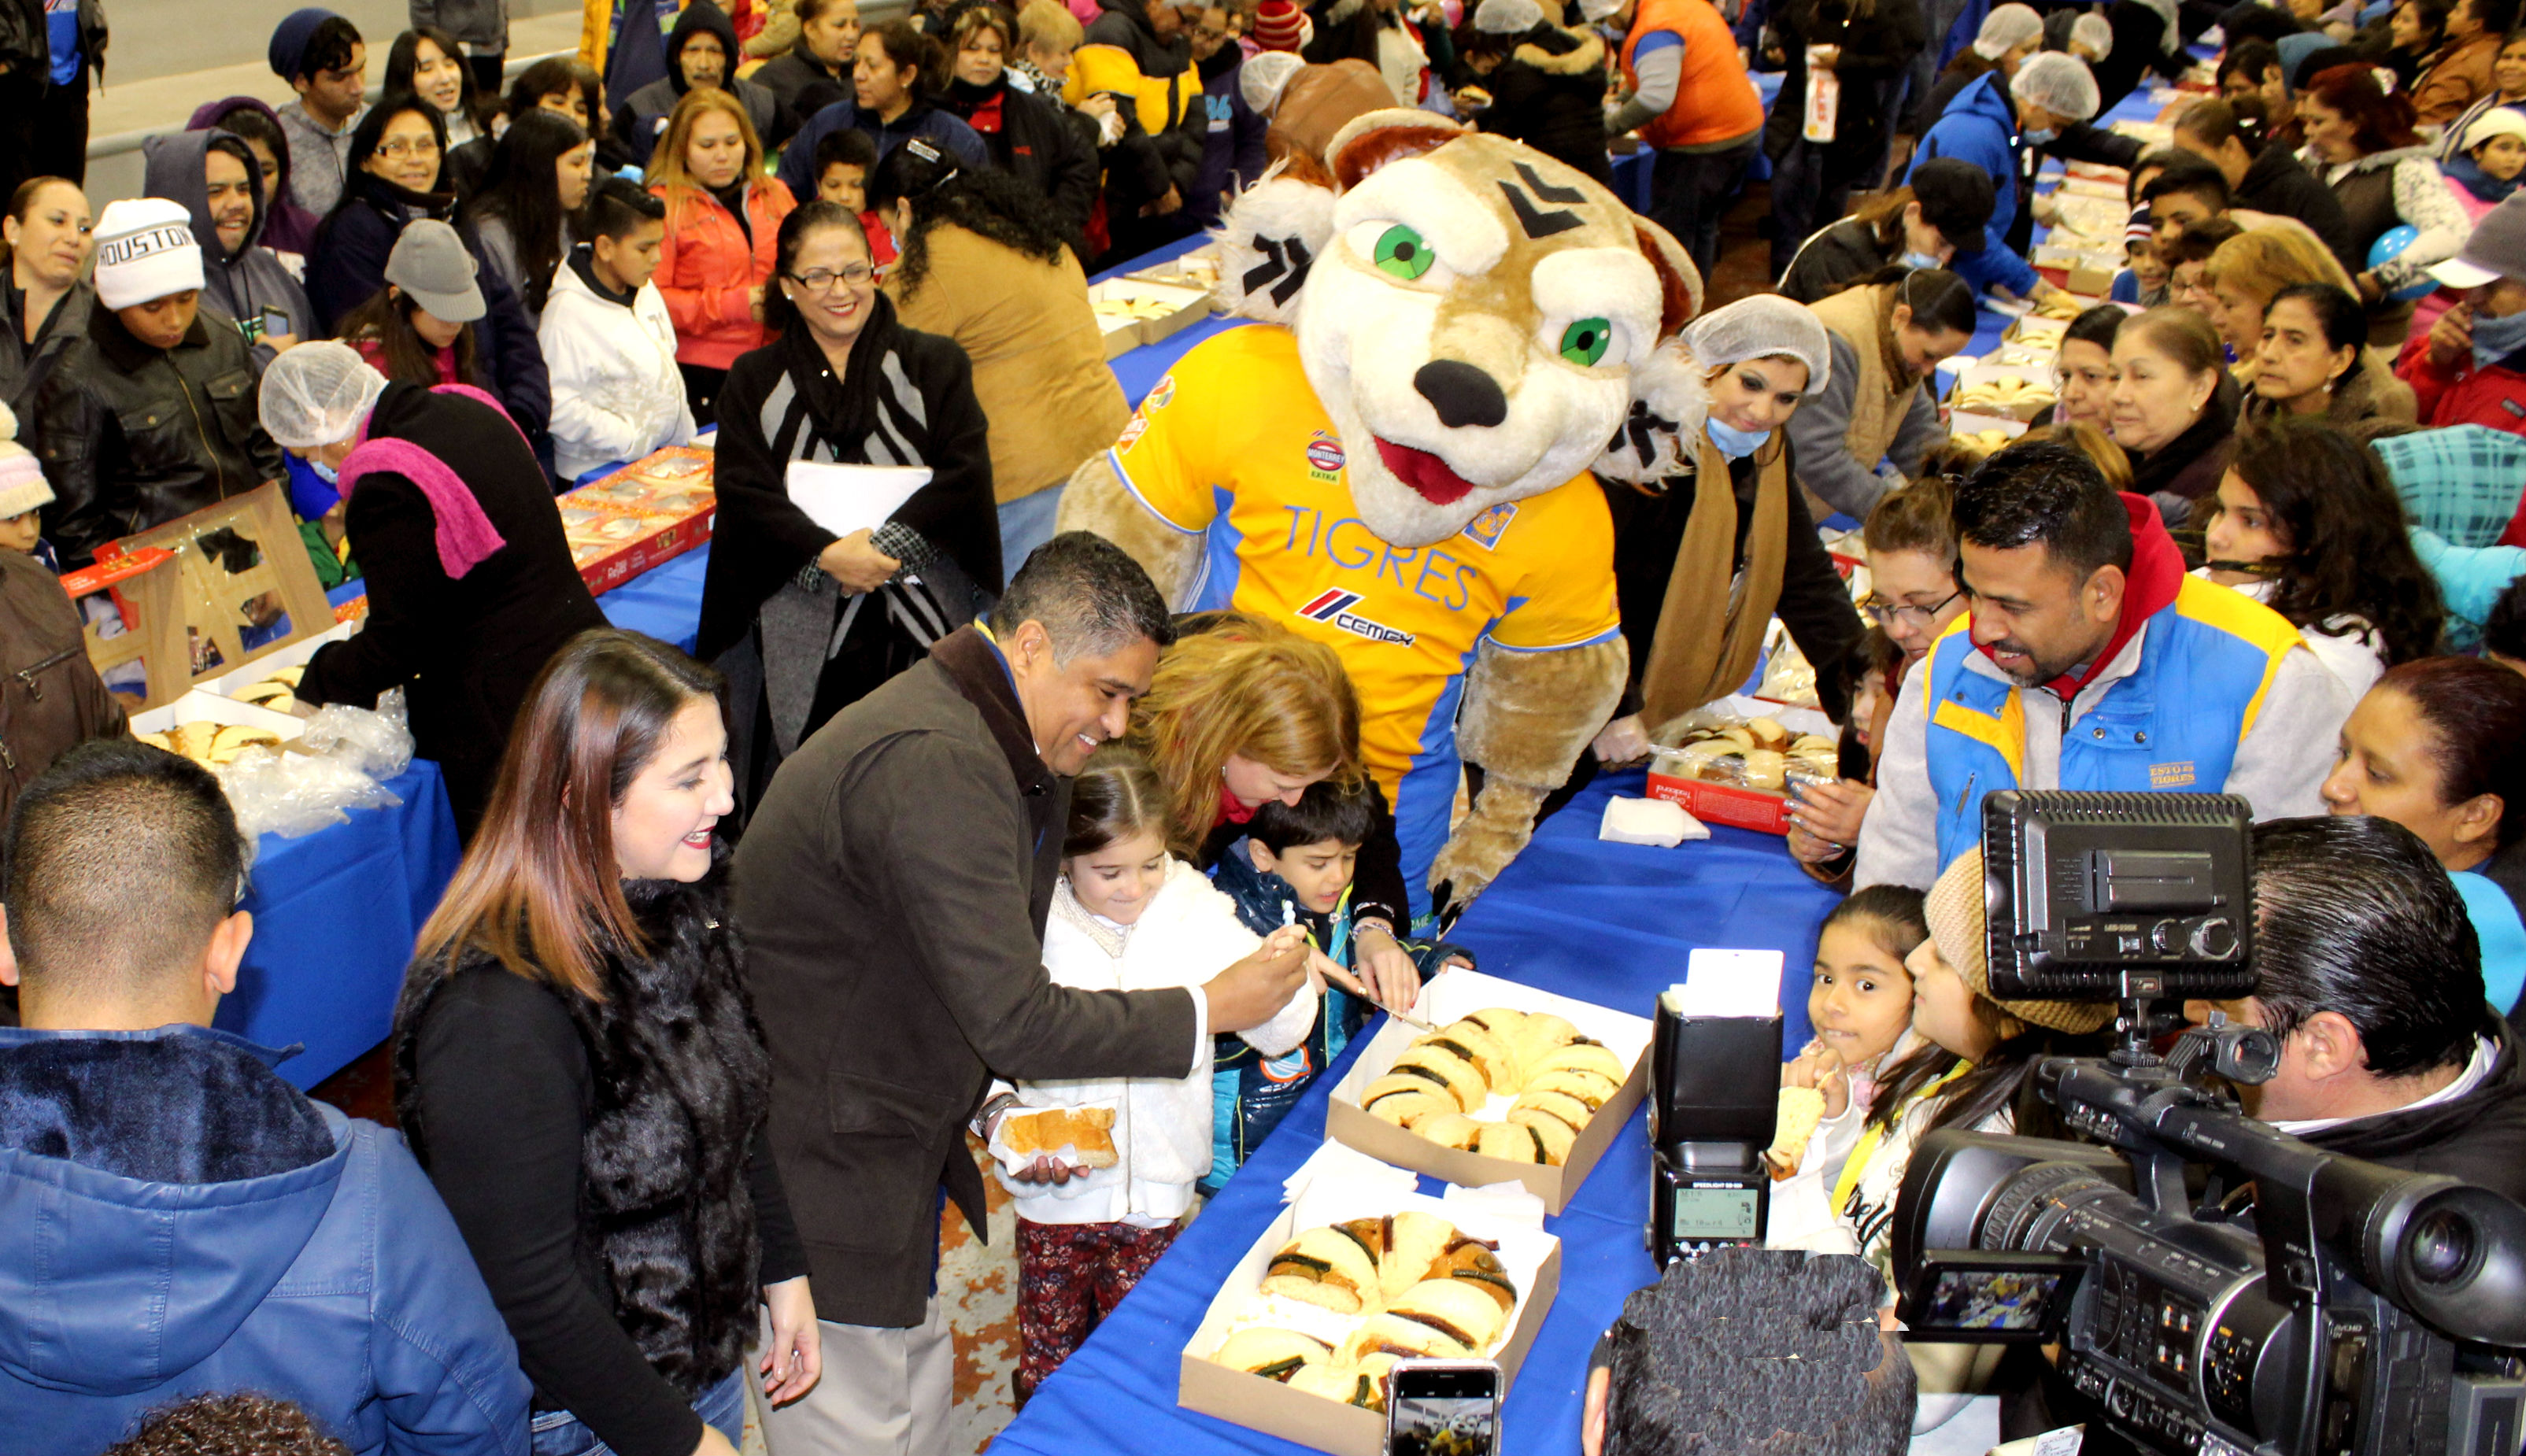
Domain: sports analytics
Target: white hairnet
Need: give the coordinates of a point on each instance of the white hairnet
(1759, 328)
(1263, 76)
(1597, 10)
(2058, 82)
(316, 394)
(2094, 32)
(1507, 17)
(2005, 28)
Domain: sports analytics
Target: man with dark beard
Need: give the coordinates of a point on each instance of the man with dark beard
(2088, 661)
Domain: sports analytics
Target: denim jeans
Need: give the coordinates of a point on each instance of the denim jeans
(1026, 523)
(722, 1406)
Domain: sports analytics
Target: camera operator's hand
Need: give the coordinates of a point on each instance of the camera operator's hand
(1591, 1414)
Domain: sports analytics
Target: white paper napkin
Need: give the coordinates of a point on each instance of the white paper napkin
(1335, 1165)
(1510, 1201)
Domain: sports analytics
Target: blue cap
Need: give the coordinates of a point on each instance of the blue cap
(287, 55)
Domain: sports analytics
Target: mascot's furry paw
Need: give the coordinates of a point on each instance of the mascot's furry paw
(1487, 839)
(1528, 716)
(1097, 501)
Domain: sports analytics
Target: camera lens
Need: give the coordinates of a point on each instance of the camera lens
(2441, 1248)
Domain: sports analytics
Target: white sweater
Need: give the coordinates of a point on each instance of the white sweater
(616, 393)
(1189, 933)
(2353, 652)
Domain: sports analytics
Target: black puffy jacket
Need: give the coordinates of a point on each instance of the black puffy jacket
(133, 436)
(1549, 93)
(1030, 139)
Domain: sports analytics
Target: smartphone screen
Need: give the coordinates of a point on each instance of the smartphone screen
(1444, 1410)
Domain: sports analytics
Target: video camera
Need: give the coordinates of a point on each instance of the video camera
(2360, 1311)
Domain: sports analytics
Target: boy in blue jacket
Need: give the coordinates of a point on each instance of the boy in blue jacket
(1294, 866)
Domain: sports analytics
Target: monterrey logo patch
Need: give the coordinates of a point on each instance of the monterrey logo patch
(1333, 607)
(1323, 457)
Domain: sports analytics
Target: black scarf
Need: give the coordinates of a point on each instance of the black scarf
(863, 418)
(2154, 472)
(679, 1088)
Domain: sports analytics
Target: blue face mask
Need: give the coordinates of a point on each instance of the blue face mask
(1737, 443)
(2039, 136)
(2494, 340)
(1917, 261)
(324, 472)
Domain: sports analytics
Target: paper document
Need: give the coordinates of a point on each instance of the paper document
(845, 498)
(1728, 982)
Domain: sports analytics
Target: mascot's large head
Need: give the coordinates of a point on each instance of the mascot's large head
(1480, 321)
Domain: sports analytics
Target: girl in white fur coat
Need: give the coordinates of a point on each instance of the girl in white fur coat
(1126, 917)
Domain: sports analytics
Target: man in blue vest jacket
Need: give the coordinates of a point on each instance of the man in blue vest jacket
(2090, 660)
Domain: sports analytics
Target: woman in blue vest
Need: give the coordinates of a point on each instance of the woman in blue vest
(2434, 747)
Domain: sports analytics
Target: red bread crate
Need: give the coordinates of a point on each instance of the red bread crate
(651, 511)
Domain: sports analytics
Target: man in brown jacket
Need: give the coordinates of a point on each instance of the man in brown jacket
(893, 885)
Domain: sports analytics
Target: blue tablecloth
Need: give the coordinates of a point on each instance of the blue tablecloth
(1605, 923)
(335, 914)
(664, 601)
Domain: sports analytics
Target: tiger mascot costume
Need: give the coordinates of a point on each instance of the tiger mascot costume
(1455, 330)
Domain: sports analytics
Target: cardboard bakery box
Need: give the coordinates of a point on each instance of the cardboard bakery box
(198, 706)
(294, 655)
(1532, 1256)
(2037, 331)
(1765, 811)
(2033, 393)
(651, 511)
(1197, 269)
(1452, 998)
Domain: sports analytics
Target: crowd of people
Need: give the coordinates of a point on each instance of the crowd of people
(953, 818)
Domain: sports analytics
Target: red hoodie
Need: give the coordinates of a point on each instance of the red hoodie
(2157, 574)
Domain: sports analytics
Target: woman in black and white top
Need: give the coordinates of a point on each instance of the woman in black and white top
(806, 622)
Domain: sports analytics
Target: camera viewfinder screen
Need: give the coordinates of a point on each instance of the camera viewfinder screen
(1446, 1413)
(1994, 1300)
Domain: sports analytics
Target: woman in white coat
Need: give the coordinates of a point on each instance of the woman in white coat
(609, 342)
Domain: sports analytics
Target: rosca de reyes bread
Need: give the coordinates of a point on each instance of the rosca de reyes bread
(1801, 1112)
(211, 744)
(1558, 1076)
(1419, 1285)
(1088, 1131)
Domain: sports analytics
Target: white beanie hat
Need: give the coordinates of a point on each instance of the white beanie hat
(145, 250)
(22, 487)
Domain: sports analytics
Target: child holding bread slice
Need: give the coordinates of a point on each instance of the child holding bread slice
(1969, 1070)
(1126, 916)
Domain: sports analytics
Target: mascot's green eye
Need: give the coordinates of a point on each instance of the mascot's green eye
(1404, 253)
(1583, 343)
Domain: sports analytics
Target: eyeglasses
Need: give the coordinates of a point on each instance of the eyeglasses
(822, 280)
(1886, 613)
(401, 148)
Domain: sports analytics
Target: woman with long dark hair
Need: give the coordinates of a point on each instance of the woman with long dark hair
(985, 263)
(806, 621)
(392, 178)
(2359, 139)
(1879, 402)
(2306, 523)
(525, 216)
(428, 63)
(411, 331)
(579, 1070)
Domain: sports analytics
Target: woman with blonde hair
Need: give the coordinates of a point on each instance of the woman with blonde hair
(2110, 459)
(1242, 713)
(723, 216)
(2247, 275)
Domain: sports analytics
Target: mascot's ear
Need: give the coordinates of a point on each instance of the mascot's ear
(1669, 400)
(1370, 140)
(1272, 234)
(1678, 279)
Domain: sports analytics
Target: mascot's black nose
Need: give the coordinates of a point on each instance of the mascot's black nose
(1461, 394)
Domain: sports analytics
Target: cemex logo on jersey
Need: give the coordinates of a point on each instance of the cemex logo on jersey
(1335, 606)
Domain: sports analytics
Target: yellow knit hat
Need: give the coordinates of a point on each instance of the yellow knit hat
(1960, 924)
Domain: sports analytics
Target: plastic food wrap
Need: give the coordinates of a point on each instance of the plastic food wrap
(350, 752)
(1758, 753)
